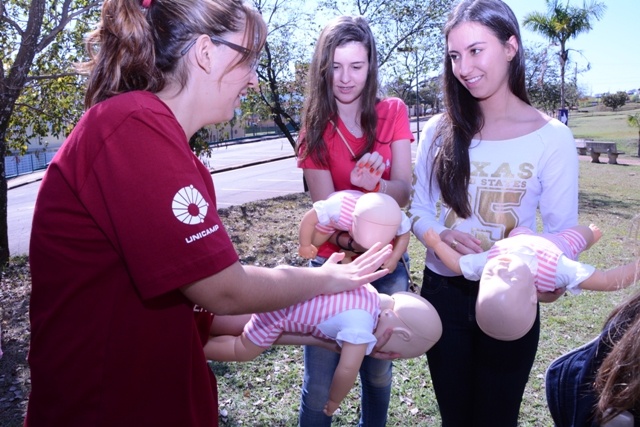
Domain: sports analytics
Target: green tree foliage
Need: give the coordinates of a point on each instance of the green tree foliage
(293, 31)
(614, 100)
(40, 94)
(282, 69)
(409, 41)
(396, 23)
(542, 78)
(633, 120)
(562, 22)
(430, 92)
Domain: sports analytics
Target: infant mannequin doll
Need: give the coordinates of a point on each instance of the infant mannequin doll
(367, 218)
(354, 320)
(515, 269)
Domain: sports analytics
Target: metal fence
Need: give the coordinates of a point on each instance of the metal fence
(22, 165)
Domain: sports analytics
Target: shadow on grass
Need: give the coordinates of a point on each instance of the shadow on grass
(597, 203)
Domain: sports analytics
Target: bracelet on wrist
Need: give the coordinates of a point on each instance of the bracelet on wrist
(376, 188)
(338, 240)
(349, 246)
(383, 186)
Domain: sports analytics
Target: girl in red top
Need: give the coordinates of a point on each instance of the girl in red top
(351, 140)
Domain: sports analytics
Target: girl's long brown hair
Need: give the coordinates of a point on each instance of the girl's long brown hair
(463, 117)
(136, 48)
(320, 105)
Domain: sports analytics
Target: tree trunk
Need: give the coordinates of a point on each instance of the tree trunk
(564, 56)
(4, 229)
(10, 89)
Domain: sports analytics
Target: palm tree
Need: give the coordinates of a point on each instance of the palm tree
(562, 22)
(634, 121)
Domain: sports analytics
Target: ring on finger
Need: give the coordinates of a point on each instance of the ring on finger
(454, 243)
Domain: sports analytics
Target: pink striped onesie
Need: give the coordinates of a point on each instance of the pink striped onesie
(307, 317)
(336, 212)
(548, 248)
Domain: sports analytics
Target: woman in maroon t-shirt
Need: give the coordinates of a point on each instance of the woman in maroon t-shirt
(126, 242)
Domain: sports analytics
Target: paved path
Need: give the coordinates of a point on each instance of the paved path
(241, 173)
(273, 174)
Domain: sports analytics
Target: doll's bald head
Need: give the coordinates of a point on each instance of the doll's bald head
(415, 323)
(376, 218)
(507, 302)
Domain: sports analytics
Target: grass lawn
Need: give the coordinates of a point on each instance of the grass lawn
(265, 392)
(607, 125)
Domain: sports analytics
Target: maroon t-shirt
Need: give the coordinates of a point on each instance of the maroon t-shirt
(125, 216)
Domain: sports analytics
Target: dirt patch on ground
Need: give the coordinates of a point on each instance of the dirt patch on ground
(265, 233)
(15, 288)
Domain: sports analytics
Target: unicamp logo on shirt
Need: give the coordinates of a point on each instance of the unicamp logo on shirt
(189, 206)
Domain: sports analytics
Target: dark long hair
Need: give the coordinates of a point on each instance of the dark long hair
(618, 379)
(463, 117)
(138, 48)
(320, 104)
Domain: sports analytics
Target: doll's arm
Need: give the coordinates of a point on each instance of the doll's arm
(230, 324)
(399, 248)
(320, 238)
(614, 279)
(306, 339)
(306, 248)
(449, 256)
(228, 348)
(345, 375)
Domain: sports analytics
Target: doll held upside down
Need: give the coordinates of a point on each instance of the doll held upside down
(516, 268)
(368, 218)
(355, 320)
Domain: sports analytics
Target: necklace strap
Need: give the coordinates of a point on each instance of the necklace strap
(343, 139)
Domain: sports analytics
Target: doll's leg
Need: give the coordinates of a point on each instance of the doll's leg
(591, 234)
(597, 234)
(577, 239)
(228, 348)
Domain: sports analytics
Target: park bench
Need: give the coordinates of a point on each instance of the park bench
(595, 148)
(581, 146)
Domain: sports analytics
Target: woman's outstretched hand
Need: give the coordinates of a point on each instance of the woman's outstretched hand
(363, 269)
(551, 296)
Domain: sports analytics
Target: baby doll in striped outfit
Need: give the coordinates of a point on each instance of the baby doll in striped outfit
(406, 324)
(362, 219)
(515, 269)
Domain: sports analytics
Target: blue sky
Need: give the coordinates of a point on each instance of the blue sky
(611, 47)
